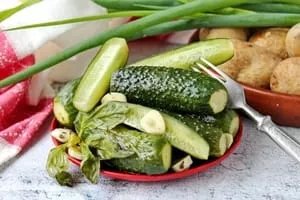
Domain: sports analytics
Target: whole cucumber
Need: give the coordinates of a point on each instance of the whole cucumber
(216, 51)
(173, 89)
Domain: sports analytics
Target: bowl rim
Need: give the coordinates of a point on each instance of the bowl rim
(162, 177)
(264, 91)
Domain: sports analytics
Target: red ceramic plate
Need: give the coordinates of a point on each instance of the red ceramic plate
(167, 176)
(283, 108)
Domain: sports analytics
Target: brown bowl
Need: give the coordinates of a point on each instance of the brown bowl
(284, 109)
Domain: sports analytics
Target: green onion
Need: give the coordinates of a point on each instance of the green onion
(135, 13)
(9, 12)
(134, 4)
(232, 11)
(126, 31)
(211, 21)
(272, 7)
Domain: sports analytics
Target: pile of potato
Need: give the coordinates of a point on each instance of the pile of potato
(267, 58)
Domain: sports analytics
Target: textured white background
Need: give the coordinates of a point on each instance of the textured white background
(257, 170)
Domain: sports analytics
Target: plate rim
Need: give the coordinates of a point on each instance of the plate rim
(161, 177)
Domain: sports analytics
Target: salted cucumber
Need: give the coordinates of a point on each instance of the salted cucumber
(173, 89)
(153, 153)
(178, 134)
(95, 81)
(228, 121)
(64, 110)
(216, 51)
(215, 137)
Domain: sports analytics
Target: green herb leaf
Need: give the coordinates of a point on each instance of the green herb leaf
(80, 121)
(90, 166)
(9, 12)
(57, 160)
(64, 178)
(106, 116)
(108, 146)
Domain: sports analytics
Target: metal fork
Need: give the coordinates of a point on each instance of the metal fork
(237, 101)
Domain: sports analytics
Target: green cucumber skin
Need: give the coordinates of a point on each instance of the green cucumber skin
(178, 134)
(211, 134)
(221, 120)
(173, 89)
(148, 156)
(216, 51)
(65, 98)
(94, 83)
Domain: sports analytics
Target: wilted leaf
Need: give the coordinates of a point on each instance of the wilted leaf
(57, 160)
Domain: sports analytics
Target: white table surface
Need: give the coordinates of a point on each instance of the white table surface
(258, 169)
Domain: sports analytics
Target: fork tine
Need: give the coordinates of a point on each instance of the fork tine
(224, 75)
(208, 72)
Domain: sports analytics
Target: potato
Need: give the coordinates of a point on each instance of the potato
(272, 39)
(229, 33)
(292, 41)
(251, 64)
(286, 77)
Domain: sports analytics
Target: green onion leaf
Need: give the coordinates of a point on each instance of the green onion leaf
(85, 19)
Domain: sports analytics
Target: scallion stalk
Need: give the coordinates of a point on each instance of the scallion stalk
(135, 13)
(134, 4)
(272, 7)
(211, 21)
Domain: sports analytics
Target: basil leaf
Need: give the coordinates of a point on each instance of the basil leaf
(106, 116)
(90, 165)
(80, 121)
(107, 144)
(64, 178)
(57, 160)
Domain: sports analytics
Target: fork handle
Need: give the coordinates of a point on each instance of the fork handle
(281, 138)
(290, 145)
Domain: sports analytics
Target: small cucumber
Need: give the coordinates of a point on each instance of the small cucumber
(172, 89)
(177, 133)
(228, 121)
(183, 164)
(153, 154)
(216, 51)
(63, 108)
(215, 137)
(95, 82)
